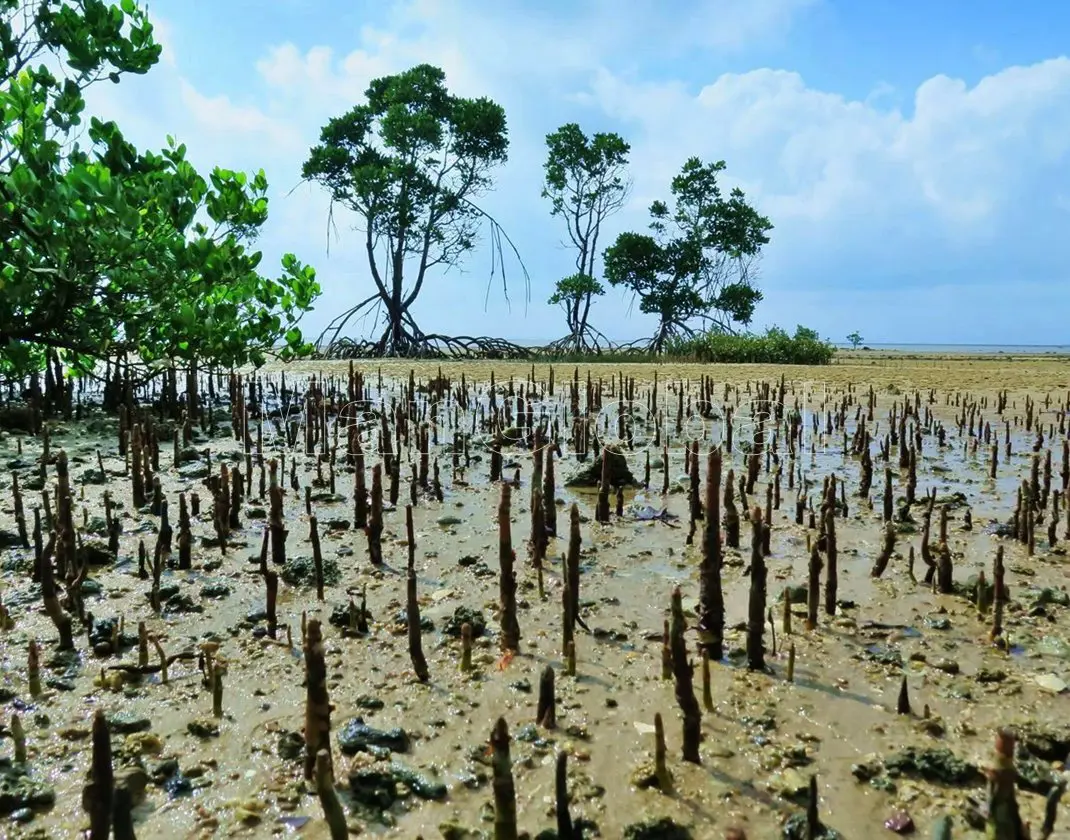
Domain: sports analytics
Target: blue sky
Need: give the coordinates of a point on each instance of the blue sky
(913, 156)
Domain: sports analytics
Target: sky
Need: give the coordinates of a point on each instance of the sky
(912, 156)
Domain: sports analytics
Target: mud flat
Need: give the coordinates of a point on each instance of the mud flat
(215, 743)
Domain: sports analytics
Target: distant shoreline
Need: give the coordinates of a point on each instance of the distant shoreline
(847, 355)
(963, 349)
(919, 348)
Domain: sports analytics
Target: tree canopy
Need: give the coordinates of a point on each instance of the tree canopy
(107, 250)
(697, 266)
(586, 183)
(409, 163)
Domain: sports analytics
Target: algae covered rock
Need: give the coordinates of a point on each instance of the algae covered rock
(952, 501)
(795, 828)
(193, 471)
(348, 615)
(591, 474)
(452, 830)
(373, 786)
(301, 571)
(1047, 742)
(663, 828)
(95, 553)
(420, 784)
(932, 764)
(462, 616)
(379, 785)
(18, 790)
(356, 736)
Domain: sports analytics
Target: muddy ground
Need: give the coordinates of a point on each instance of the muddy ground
(241, 775)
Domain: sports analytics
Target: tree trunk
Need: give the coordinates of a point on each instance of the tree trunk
(658, 344)
(581, 320)
(394, 341)
(395, 311)
(571, 317)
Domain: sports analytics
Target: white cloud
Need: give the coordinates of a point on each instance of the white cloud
(220, 116)
(848, 183)
(735, 24)
(161, 33)
(816, 155)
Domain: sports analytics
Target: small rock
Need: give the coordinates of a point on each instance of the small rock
(790, 784)
(22, 815)
(126, 723)
(1052, 683)
(664, 828)
(135, 780)
(900, 822)
(948, 666)
(355, 736)
(177, 785)
(291, 745)
(203, 728)
(451, 830)
(215, 590)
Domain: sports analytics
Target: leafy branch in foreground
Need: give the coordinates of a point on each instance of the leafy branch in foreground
(105, 250)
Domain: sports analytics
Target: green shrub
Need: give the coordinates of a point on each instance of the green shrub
(775, 347)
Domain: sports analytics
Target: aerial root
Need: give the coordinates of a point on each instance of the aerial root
(429, 347)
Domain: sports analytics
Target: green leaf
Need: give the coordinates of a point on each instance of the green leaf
(694, 266)
(105, 247)
(410, 161)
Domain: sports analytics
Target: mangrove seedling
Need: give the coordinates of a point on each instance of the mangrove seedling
(1004, 819)
(99, 791)
(412, 605)
(756, 608)
(507, 575)
(317, 701)
(683, 673)
(711, 595)
(546, 711)
(565, 830)
(504, 787)
(466, 647)
(328, 796)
